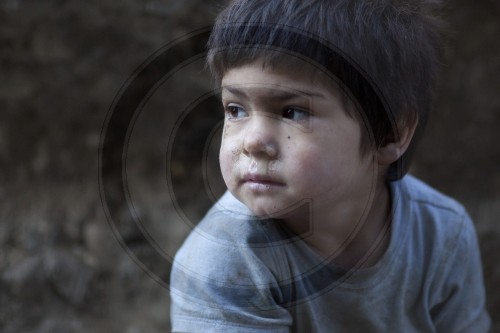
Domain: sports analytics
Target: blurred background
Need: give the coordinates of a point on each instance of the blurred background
(63, 266)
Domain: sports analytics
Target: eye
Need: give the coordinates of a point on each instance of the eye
(296, 114)
(235, 112)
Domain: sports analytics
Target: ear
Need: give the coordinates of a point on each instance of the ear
(393, 149)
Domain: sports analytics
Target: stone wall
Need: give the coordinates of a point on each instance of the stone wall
(63, 62)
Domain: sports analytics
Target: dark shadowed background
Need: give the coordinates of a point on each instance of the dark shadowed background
(62, 62)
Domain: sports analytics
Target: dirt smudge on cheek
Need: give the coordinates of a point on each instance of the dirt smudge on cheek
(235, 154)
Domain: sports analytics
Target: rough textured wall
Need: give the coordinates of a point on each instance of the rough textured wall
(62, 62)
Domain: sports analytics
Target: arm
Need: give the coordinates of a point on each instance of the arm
(459, 301)
(209, 306)
(217, 286)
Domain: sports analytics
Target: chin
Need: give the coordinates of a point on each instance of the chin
(263, 213)
(271, 212)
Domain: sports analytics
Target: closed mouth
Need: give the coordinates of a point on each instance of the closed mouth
(261, 179)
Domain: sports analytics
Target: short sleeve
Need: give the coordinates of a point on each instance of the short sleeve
(218, 285)
(459, 299)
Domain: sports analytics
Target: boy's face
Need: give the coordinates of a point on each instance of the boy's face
(287, 140)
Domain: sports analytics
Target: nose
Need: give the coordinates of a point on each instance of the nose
(260, 137)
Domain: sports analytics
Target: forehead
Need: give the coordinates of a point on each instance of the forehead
(265, 91)
(279, 82)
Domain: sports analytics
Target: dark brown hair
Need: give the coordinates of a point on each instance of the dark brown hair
(385, 53)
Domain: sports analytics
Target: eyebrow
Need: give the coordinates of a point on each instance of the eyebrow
(274, 93)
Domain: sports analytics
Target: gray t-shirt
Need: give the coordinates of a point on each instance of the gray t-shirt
(235, 273)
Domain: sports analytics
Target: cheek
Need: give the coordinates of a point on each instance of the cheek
(228, 159)
(226, 166)
(315, 172)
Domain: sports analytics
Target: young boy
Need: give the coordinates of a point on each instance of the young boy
(320, 230)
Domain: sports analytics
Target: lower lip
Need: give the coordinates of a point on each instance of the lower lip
(262, 186)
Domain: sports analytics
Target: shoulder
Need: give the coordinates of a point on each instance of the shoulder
(423, 195)
(434, 212)
(227, 237)
(433, 222)
(230, 222)
(228, 225)
(438, 228)
(222, 276)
